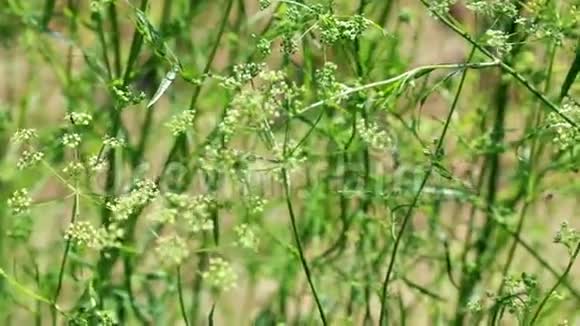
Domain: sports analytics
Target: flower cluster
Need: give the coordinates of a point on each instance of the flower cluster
(255, 205)
(289, 158)
(566, 136)
(24, 135)
(181, 122)
(326, 80)
(333, 29)
(124, 95)
(86, 317)
(98, 5)
(113, 142)
(225, 160)
(84, 234)
(79, 118)
(19, 202)
(143, 193)
(243, 73)
(499, 41)
(520, 293)
(220, 274)
(441, 7)
(264, 4)
(247, 237)
(373, 135)
(264, 46)
(493, 8)
(172, 249)
(194, 210)
(567, 236)
(71, 140)
(73, 169)
(29, 158)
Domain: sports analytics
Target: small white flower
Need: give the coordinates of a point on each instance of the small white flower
(71, 140)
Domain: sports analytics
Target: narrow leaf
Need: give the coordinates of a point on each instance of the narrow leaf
(164, 85)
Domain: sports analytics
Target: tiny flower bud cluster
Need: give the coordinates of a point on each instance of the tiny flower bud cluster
(247, 237)
(124, 95)
(113, 142)
(373, 135)
(521, 293)
(566, 136)
(230, 161)
(493, 8)
(326, 80)
(19, 202)
(499, 41)
(71, 140)
(243, 73)
(181, 122)
(264, 4)
(73, 169)
(24, 135)
(568, 236)
(172, 250)
(220, 274)
(84, 234)
(194, 210)
(333, 29)
(143, 193)
(79, 118)
(441, 7)
(256, 205)
(28, 159)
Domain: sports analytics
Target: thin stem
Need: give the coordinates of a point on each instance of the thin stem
(115, 37)
(180, 294)
(299, 246)
(409, 213)
(74, 213)
(48, 12)
(507, 68)
(530, 184)
(556, 285)
(407, 76)
(212, 54)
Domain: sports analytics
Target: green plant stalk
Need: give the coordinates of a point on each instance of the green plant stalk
(61, 272)
(572, 73)
(181, 140)
(303, 261)
(114, 21)
(545, 264)
(482, 246)
(531, 180)
(409, 213)
(102, 39)
(180, 295)
(556, 285)
(47, 13)
(107, 260)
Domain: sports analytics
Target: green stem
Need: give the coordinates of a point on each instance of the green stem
(299, 246)
(530, 184)
(74, 213)
(47, 14)
(556, 285)
(506, 68)
(180, 294)
(409, 213)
